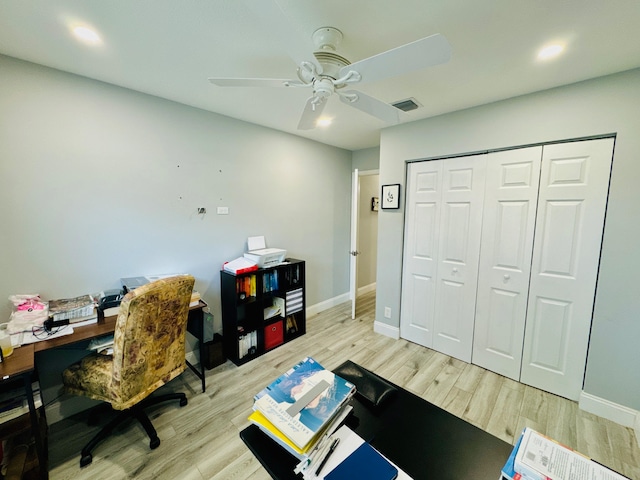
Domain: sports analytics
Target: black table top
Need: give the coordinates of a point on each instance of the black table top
(422, 439)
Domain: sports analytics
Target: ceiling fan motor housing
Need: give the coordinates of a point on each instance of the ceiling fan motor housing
(326, 41)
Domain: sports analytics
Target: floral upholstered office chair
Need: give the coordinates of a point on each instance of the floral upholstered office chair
(148, 351)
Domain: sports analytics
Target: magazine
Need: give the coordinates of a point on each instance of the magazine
(300, 402)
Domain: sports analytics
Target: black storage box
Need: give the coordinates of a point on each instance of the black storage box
(213, 354)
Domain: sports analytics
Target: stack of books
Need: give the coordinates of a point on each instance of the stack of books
(538, 457)
(77, 310)
(302, 407)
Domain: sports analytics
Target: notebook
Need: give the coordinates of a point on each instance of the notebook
(365, 463)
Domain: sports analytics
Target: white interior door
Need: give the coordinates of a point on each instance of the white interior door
(511, 194)
(422, 220)
(353, 264)
(463, 182)
(442, 240)
(572, 200)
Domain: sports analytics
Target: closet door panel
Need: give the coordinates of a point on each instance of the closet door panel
(459, 246)
(505, 258)
(573, 192)
(421, 247)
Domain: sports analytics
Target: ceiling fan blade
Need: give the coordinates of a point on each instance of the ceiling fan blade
(408, 58)
(310, 114)
(372, 106)
(280, 28)
(255, 82)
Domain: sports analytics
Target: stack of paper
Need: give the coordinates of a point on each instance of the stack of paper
(302, 406)
(537, 457)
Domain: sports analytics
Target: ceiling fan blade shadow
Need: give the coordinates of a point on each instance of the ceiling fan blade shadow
(423, 53)
(372, 106)
(310, 114)
(281, 29)
(254, 82)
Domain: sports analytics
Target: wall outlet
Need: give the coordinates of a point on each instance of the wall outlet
(387, 312)
(223, 210)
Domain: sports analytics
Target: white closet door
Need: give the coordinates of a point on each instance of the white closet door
(458, 255)
(511, 194)
(573, 193)
(422, 220)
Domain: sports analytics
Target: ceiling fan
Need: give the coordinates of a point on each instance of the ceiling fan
(321, 68)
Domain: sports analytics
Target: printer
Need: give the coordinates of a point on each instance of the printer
(262, 256)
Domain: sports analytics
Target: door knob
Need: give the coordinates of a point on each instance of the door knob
(506, 278)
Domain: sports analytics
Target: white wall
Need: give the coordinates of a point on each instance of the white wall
(99, 182)
(601, 106)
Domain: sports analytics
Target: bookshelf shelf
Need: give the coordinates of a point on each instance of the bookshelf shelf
(262, 310)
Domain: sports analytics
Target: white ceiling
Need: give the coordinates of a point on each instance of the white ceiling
(169, 48)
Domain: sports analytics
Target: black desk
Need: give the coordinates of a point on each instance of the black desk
(424, 440)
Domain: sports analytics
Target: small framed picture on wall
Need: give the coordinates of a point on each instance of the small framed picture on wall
(390, 196)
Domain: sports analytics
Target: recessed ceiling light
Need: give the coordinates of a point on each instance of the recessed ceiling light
(86, 34)
(550, 51)
(323, 122)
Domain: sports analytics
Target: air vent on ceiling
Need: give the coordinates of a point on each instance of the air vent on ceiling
(407, 105)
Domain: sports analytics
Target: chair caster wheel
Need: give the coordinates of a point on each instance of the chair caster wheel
(86, 460)
(154, 443)
(183, 401)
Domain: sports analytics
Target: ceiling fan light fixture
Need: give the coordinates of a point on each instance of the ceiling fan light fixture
(324, 122)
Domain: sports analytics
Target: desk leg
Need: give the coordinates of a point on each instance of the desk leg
(195, 326)
(35, 427)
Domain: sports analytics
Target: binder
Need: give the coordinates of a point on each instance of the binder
(364, 463)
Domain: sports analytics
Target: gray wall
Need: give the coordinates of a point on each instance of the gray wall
(606, 105)
(99, 182)
(366, 159)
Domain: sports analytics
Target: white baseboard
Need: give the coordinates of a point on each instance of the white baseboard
(625, 416)
(387, 330)
(366, 289)
(327, 304)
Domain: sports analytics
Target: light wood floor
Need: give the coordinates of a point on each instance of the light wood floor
(200, 440)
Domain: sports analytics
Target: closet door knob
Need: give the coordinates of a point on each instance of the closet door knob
(506, 278)
(454, 271)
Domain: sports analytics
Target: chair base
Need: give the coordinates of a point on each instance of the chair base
(137, 412)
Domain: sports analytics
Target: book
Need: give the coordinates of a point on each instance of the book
(366, 463)
(508, 471)
(70, 308)
(240, 265)
(303, 400)
(268, 428)
(539, 457)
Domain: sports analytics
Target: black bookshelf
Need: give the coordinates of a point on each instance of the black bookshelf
(262, 310)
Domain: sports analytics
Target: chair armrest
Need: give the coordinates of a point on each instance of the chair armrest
(369, 386)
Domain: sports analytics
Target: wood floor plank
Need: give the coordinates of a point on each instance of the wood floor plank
(201, 440)
(481, 405)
